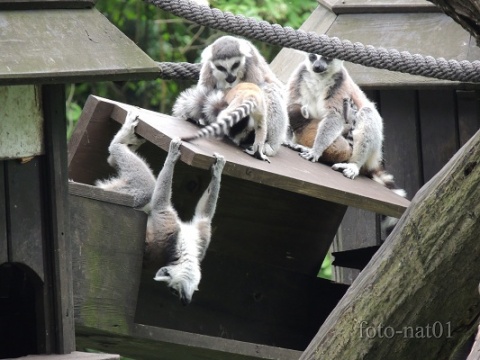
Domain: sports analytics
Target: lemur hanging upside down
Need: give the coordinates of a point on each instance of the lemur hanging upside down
(179, 247)
(333, 121)
(226, 63)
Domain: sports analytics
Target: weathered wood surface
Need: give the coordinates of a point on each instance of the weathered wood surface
(45, 4)
(150, 343)
(21, 128)
(405, 284)
(407, 31)
(464, 12)
(3, 216)
(286, 171)
(67, 46)
(468, 114)
(75, 355)
(378, 6)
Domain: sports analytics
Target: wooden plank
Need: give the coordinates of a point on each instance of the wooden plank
(107, 252)
(76, 355)
(402, 152)
(45, 4)
(393, 31)
(285, 172)
(57, 237)
(21, 127)
(150, 343)
(93, 192)
(379, 6)
(287, 59)
(65, 47)
(468, 103)
(257, 303)
(25, 214)
(438, 129)
(3, 217)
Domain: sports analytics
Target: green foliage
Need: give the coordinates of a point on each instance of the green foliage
(167, 38)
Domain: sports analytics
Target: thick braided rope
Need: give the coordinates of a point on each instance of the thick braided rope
(357, 53)
(179, 71)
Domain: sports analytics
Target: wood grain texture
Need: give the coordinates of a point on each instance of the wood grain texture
(404, 285)
(286, 171)
(107, 252)
(45, 4)
(378, 6)
(439, 136)
(67, 46)
(150, 343)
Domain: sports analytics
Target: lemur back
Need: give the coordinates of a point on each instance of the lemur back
(175, 246)
(225, 63)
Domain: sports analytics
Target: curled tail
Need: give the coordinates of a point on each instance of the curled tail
(386, 179)
(225, 122)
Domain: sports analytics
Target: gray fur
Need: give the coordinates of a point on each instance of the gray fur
(225, 63)
(178, 247)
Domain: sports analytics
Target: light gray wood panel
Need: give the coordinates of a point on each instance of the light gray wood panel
(67, 46)
(379, 6)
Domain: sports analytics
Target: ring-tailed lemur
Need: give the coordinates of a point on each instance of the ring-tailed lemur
(245, 101)
(326, 108)
(225, 63)
(177, 246)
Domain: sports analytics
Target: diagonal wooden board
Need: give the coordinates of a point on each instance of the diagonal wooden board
(287, 169)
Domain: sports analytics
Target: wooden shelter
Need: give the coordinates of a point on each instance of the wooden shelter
(425, 120)
(260, 297)
(53, 43)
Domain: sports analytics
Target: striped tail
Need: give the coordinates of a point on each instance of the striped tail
(386, 179)
(224, 124)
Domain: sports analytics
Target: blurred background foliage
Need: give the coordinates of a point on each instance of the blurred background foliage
(165, 37)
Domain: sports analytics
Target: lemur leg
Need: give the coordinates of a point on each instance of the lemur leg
(366, 140)
(207, 204)
(257, 150)
(162, 194)
(329, 129)
(134, 175)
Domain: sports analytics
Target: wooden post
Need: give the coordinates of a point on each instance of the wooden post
(417, 298)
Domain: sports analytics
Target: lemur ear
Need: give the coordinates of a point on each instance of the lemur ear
(245, 48)
(162, 275)
(206, 54)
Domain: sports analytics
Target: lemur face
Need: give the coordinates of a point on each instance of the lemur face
(228, 71)
(319, 63)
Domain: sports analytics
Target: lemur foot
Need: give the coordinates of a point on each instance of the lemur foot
(350, 170)
(310, 155)
(126, 135)
(257, 151)
(218, 165)
(296, 147)
(174, 149)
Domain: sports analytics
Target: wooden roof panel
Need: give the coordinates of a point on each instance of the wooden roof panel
(45, 4)
(55, 46)
(378, 6)
(286, 171)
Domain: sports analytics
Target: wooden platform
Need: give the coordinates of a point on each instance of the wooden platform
(259, 298)
(76, 355)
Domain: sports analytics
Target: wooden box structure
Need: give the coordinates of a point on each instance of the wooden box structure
(43, 49)
(425, 120)
(259, 298)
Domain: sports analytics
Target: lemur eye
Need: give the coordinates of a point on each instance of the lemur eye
(312, 57)
(235, 65)
(221, 68)
(327, 59)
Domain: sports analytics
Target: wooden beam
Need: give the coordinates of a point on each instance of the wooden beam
(45, 4)
(378, 6)
(405, 287)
